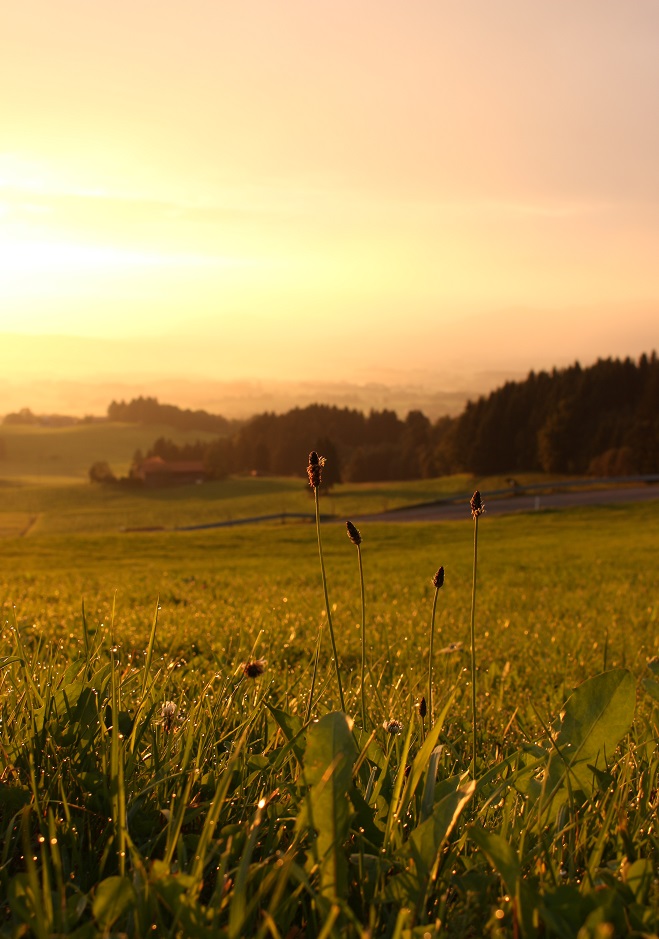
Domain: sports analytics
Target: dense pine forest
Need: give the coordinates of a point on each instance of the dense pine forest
(601, 420)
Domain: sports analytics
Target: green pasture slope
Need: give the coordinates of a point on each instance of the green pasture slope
(30, 507)
(44, 487)
(59, 455)
(225, 814)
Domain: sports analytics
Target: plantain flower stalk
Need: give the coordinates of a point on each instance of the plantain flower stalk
(477, 509)
(314, 472)
(438, 581)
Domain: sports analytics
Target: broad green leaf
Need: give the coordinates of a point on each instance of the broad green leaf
(564, 909)
(652, 687)
(427, 839)
(422, 759)
(504, 860)
(499, 853)
(328, 761)
(365, 818)
(425, 844)
(592, 723)
(73, 710)
(638, 877)
(114, 896)
(291, 727)
(374, 752)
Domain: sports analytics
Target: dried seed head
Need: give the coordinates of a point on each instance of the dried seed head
(393, 727)
(477, 505)
(253, 668)
(438, 579)
(423, 708)
(353, 533)
(314, 468)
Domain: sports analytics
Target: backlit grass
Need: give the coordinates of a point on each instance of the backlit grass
(76, 507)
(225, 816)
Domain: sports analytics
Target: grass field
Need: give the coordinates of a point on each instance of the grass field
(60, 455)
(227, 815)
(551, 581)
(72, 506)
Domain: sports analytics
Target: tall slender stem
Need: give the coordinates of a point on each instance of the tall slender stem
(315, 672)
(363, 675)
(430, 657)
(473, 650)
(438, 581)
(327, 603)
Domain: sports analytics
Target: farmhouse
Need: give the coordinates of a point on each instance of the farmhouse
(154, 471)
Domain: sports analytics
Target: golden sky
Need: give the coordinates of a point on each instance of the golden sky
(297, 189)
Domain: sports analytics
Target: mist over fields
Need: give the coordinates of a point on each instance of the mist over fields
(78, 376)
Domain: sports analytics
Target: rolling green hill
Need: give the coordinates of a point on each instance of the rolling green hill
(64, 454)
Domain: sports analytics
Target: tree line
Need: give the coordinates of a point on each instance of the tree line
(149, 411)
(601, 420)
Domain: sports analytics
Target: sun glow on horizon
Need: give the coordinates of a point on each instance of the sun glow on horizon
(310, 177)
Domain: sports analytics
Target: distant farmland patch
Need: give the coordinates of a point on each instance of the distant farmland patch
(30, 451)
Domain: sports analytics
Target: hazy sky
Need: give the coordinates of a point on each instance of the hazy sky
(297, 189)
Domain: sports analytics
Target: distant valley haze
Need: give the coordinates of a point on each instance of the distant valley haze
(435, 373)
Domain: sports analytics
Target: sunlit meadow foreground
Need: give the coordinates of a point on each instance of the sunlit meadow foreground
(405, 770)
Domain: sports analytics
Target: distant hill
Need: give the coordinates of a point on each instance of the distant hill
(149, 411)
(240, 400)
(602, 420)
(65, 454)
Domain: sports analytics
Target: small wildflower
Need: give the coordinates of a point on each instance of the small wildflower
(393, 727)
(423, 708)
(477, 505)
(353, 534)
(314, 469)
(438, 579)
(168, 715)
(253, 668)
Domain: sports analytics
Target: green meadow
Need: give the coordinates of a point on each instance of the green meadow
(174, 757)
(62, 455)
(561, 594)
(77, 507)
(44, 487)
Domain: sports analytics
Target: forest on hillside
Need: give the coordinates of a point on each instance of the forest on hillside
(601, 420)
(147, 410)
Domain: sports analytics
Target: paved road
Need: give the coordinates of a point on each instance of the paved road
(522, 503)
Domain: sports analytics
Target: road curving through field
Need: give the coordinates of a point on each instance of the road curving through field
(444, 512)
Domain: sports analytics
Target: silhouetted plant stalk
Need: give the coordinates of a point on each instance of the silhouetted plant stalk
(356, 538)
(438, 581)
(315, 673)
(477, 509)
(314, 472)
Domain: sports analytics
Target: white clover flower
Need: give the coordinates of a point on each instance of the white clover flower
(168, 713)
